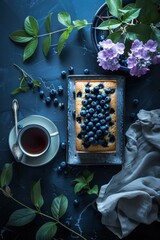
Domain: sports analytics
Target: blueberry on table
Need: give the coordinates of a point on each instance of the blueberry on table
(41, 93)
(76, 202)
(71, 70)
(63, 145)
(30, 83)
(61, 106)
(63, 164)
(53, 93)
(135, 102)
(55, 101)
(48, 100)
(63, 74)
(59, 169)
(60, 90)
(86, 71)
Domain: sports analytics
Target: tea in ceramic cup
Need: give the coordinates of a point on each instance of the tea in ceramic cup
(34, 140)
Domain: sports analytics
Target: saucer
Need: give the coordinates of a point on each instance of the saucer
(54, 146)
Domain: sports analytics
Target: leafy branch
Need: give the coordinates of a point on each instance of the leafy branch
(83, 183)
(30, 34)
(26, 214)
(26, 82)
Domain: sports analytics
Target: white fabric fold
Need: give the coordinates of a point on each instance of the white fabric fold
(133, 195)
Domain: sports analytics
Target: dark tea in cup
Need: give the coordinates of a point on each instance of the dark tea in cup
(34, 140)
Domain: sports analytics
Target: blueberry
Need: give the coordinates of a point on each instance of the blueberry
(63, 145)
(71, 70)
(93, 104)
(91, 134)
(112, 90)
(95, 120)
(83, 126)
(84, 102)
(106, 106)
(83, 113)
(53, 93)
(107, 99)
(101, 85)
(95, 115)
(30, 83)
(100, 115)
(88, 115)
(93, 96)
(63, 74)
(107, 90)
(59, 169)
(86, 120)
(86, 71)
(92, 140)
(89, 100)
(88, 106)
(78, 119)
(60, 90)
(135, 102)
(63, 164)
(103, 128)
(61, 105)
(98, 125)
(108, 118)
(99, 97)
(76, 202)
(103, 121)
(79, 94)
(99, 132)
(87, 95)
(55, 101)
(94, 129)
(98, 108)
(41, 93)
(102, 102)
(104, 144)
(96, 89)
(103, 95)
(86, 137)
(48, 100)
(91, 110)
(90, 125)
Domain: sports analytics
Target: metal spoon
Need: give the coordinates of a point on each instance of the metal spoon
(17, 153)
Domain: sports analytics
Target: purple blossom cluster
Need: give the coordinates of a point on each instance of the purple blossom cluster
(140, 57)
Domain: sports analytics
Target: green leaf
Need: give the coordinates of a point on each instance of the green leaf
(79, 186)
(16, 91)
(139, 31)
(90, 178)
(156, 36)
(109, 24)
(46, 45)
(30, 49)
(46, 231)
(48, 22)
(21, 217)
(20, 36)
(64, 18)
(36, 195)
(114, 6)
(6, 175)
(63, 38)
(31, 26)
(59, 206)
(116, 36)
(130, 15)
(36, 83)
(80, 23)
(149, 11)
(93, 190)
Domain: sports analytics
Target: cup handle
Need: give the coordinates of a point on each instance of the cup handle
(54, 134)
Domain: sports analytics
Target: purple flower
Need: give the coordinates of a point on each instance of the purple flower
(132, 61)
(138, 71)
(136, 45)
(156, 59)
(151, 45)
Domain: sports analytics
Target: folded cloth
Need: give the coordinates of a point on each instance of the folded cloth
(133, 195)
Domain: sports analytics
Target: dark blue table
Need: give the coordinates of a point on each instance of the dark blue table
(80, 54)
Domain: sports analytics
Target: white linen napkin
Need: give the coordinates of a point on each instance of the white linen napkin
(133, 195)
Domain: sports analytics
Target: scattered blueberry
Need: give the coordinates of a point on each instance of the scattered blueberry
(63, 74)
(61, 105)
(48, 100)
(86, 71)
(30, 83)
(63, 164)
(41, 93)
(59, 169)
(135, 102)
(53, 93)
(60, 90)
(76, 202)
(55, 101)
(63, 145)
(71, 70)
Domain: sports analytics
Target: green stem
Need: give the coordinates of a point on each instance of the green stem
(42, 214)
(23, 72)
(50, 33)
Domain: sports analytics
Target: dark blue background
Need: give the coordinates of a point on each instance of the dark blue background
(79, 53)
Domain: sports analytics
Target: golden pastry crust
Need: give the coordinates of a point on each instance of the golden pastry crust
(106, 142)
